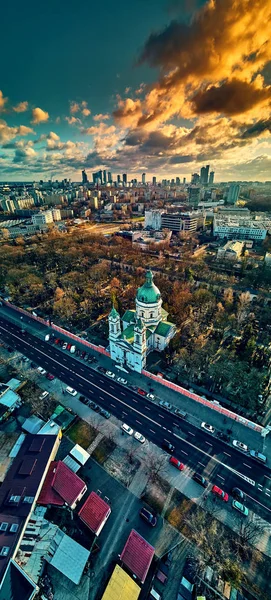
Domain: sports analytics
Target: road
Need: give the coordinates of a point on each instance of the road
(200, 451)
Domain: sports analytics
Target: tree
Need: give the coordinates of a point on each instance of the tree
(248, 532)
(156, 464)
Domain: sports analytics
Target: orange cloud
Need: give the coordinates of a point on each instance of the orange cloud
(21, 107)
(39, 116)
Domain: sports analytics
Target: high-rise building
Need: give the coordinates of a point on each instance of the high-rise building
(194, 195)
(204, 174)
(109, 175)
(104, 177)
(184, 180)
(84, 177)
(118, 179)
(154, 181)
(233, 193)
(172, 181)
(178, 181)
(211, 177)
(195, 178)
(124, 178)
(144, 178)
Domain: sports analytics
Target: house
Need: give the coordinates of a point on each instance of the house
(137, 555)
(94, 513)
(62, 486)
(121, 586)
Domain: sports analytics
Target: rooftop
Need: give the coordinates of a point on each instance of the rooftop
(16, 585)
(70, 557)
(94, 513)
(163, 328)
(121, 585)
(67, 484)
(137, 555)
(48, 494)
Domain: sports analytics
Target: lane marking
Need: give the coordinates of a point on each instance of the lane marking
(191, 433)
(139, 422)
(162, 416)
(266, 493)
(122, 393)
(148, 408)
(220, 477)
(227, 454)
(152, 431)
(124, 413)
(199, 463)
(113, 405)
(268, 477)
(186, 454)
(208, 443)
(248, 466)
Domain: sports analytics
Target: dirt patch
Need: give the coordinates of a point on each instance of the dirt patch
(82, 433)
(156, 494)
(179, 509)
(119, 466)
(30, 394)
(103, 450)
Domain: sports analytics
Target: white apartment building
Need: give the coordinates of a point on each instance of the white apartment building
(153, 219)
(231, 251)
(239, 229)
(43, 218)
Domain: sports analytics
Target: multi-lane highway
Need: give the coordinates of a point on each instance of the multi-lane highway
(200, 451)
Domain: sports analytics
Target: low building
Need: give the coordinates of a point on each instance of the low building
(121, 586)
(137, 555)
(239, 229)
(231, 251)
(62, 486)
(94, 513)
(76, 458)
(16, 584)
(9, 401)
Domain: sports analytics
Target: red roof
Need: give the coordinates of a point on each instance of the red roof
(137, 555)
(94, 513)
(47, 494)
(67, 484)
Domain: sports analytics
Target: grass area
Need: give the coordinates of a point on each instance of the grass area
(156, 494)
(179, 508)
(103, 450)
(82, 433)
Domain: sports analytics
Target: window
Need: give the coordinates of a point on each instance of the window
(151, 315)
(14, 499)
(3, 526)
(137, 339)
(28, 499)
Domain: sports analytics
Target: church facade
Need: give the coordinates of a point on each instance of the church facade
(140, 331)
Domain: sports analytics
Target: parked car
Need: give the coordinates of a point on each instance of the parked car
(220, 493)
(64, 345)
(148, 516)
(240, 445)
(86, 357)
(50, 376)
(105, 413)
(83, 354)
(41, 370)
(92, 405)
(61, 343)
(102, 369)
(151, 396)
(258, 456)
(110, 374)
(141, 392)
(122, 380)
(207, 427)
(71, 391)
(165, 404)
(127, 429)
(223, 436)
(238, 494)
(44, 395)
(180, 413)
(200, 479)
(139, 437)
(168, 447)
(72, 349)
(240, 507)
(188, 582)
(83, 399)
(176, 463)
(97, 408)
(57, 341)
(69, 346)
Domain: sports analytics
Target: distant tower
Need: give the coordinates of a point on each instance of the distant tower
(104, 176)
(109, 177)
(118, 178)
(211, 177)
(124, 179)
(144, 178)
(114, 325)
(84, 177)
(154, 181)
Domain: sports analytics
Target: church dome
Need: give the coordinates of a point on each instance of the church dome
(148, 293)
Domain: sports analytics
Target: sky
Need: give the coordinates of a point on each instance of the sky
(155, 86)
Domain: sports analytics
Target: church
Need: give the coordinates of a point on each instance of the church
(142, 330)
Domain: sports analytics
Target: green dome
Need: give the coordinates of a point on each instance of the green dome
(148, 292)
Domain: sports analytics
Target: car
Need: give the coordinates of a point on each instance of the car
(122, 380)
(180, 413)
(238, 494)
(102, 369)
(90, 358)
(220, 493)
(165, 404)
(33, 365)
(41, 370)
(71, 391)
(207, 427)
(25, 359)
(110, 374)
(83, 354)
(139, 437)
(78, 352)
(240, 445)
(44, 395)
(150, 396)
(105, 413)
(86, 357)
(69, 346)
(97, 408)
(148, 516)
(258, 456)
(200, 479)
(83, 399)
(50, 376)
(57, 341)
(240, 507)
(64, 346)
(176, 463)
(187, 585)
(61, 343)
(168, 447)
(141, 392)
(127, 429)
(92, 405)
(223, 436)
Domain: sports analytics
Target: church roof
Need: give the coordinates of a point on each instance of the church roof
(129, 316)
(114, 313)
(148, 292)
(128, 334)
(163, 328)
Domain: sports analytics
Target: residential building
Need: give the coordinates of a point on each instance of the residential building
(195, 179)
(193, 195)
(43, 218)
(121, 586)
(233, 193)
(231, 251)
(238, 229)
(143, 330)
(9, 400)
(137, 546)
(61, 486)
(94, 513)
(56, 212)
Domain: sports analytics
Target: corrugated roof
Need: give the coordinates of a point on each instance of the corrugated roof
(67, 484)
(137, 555)
(80, 454)
(48, 494)
(94, 513)
(71, 463)
(121, 586)
(70, 558)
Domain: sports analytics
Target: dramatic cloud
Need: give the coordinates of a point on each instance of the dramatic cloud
(101, 117)
(8, 133)
(231, 98)
(21, 107)
(3, 102)
(258, 128)
(24, 155)
(82, 107)
(39, 116)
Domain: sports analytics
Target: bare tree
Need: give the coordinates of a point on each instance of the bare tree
(109, 430)
(248, 532)
(155, 464)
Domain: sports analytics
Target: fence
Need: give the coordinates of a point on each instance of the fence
(220, 409)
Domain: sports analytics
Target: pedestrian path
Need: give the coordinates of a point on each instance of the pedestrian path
(95, 443)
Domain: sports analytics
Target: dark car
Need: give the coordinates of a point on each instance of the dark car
(83, 399)
(168, 447)
(200, 479)
(223, 436)
(97, 408)
(78, 352)
(61, 342)
(92, 405)
(102, 369)
(148, 517)
(86, 357)
(238, 494)
(105, 413)
(83, 354)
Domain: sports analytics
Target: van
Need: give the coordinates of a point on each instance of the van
(154, 594)
(43, 395)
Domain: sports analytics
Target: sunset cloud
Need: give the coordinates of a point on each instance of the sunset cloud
(39, 116)
(8, 133)
(101, 117)
(21, 107)
(3, 102)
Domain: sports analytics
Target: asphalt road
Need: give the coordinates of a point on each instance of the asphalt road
(200, 451)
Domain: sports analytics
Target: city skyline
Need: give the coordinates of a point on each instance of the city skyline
(190, 89)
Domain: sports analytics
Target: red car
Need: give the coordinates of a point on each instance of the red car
(83, 354)
(176, 463)
(219, 492)
(69, 346)
(57, 341)
(49, 376)
(141, 392)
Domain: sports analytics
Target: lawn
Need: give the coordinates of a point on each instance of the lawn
(103, 450)
(82, 433)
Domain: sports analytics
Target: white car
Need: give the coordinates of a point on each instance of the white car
(127, 429)
(207, 427)
(139, 437)
(43, 395)
(64, 346)
(110, 374)
(122, 380)
(150, 396)
(71, 391)
(240, 445)
(41, 370)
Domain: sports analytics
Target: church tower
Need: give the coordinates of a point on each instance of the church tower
(140, 344)
(114, 325)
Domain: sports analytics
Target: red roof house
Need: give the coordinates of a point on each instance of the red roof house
(94, 513)
(62, 485)
(137, 555)
(48, 494)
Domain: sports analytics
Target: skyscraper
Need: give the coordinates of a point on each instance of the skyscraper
(184, 180)
(178, 181)
(194, 195)
(144, 178)
(154, 181)
(233, 193)
(204, 174)
(109, 175)
(211, 177)
(84, 177)
(195, 178)
(124, 178)
(104, 176)
(118, 179)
